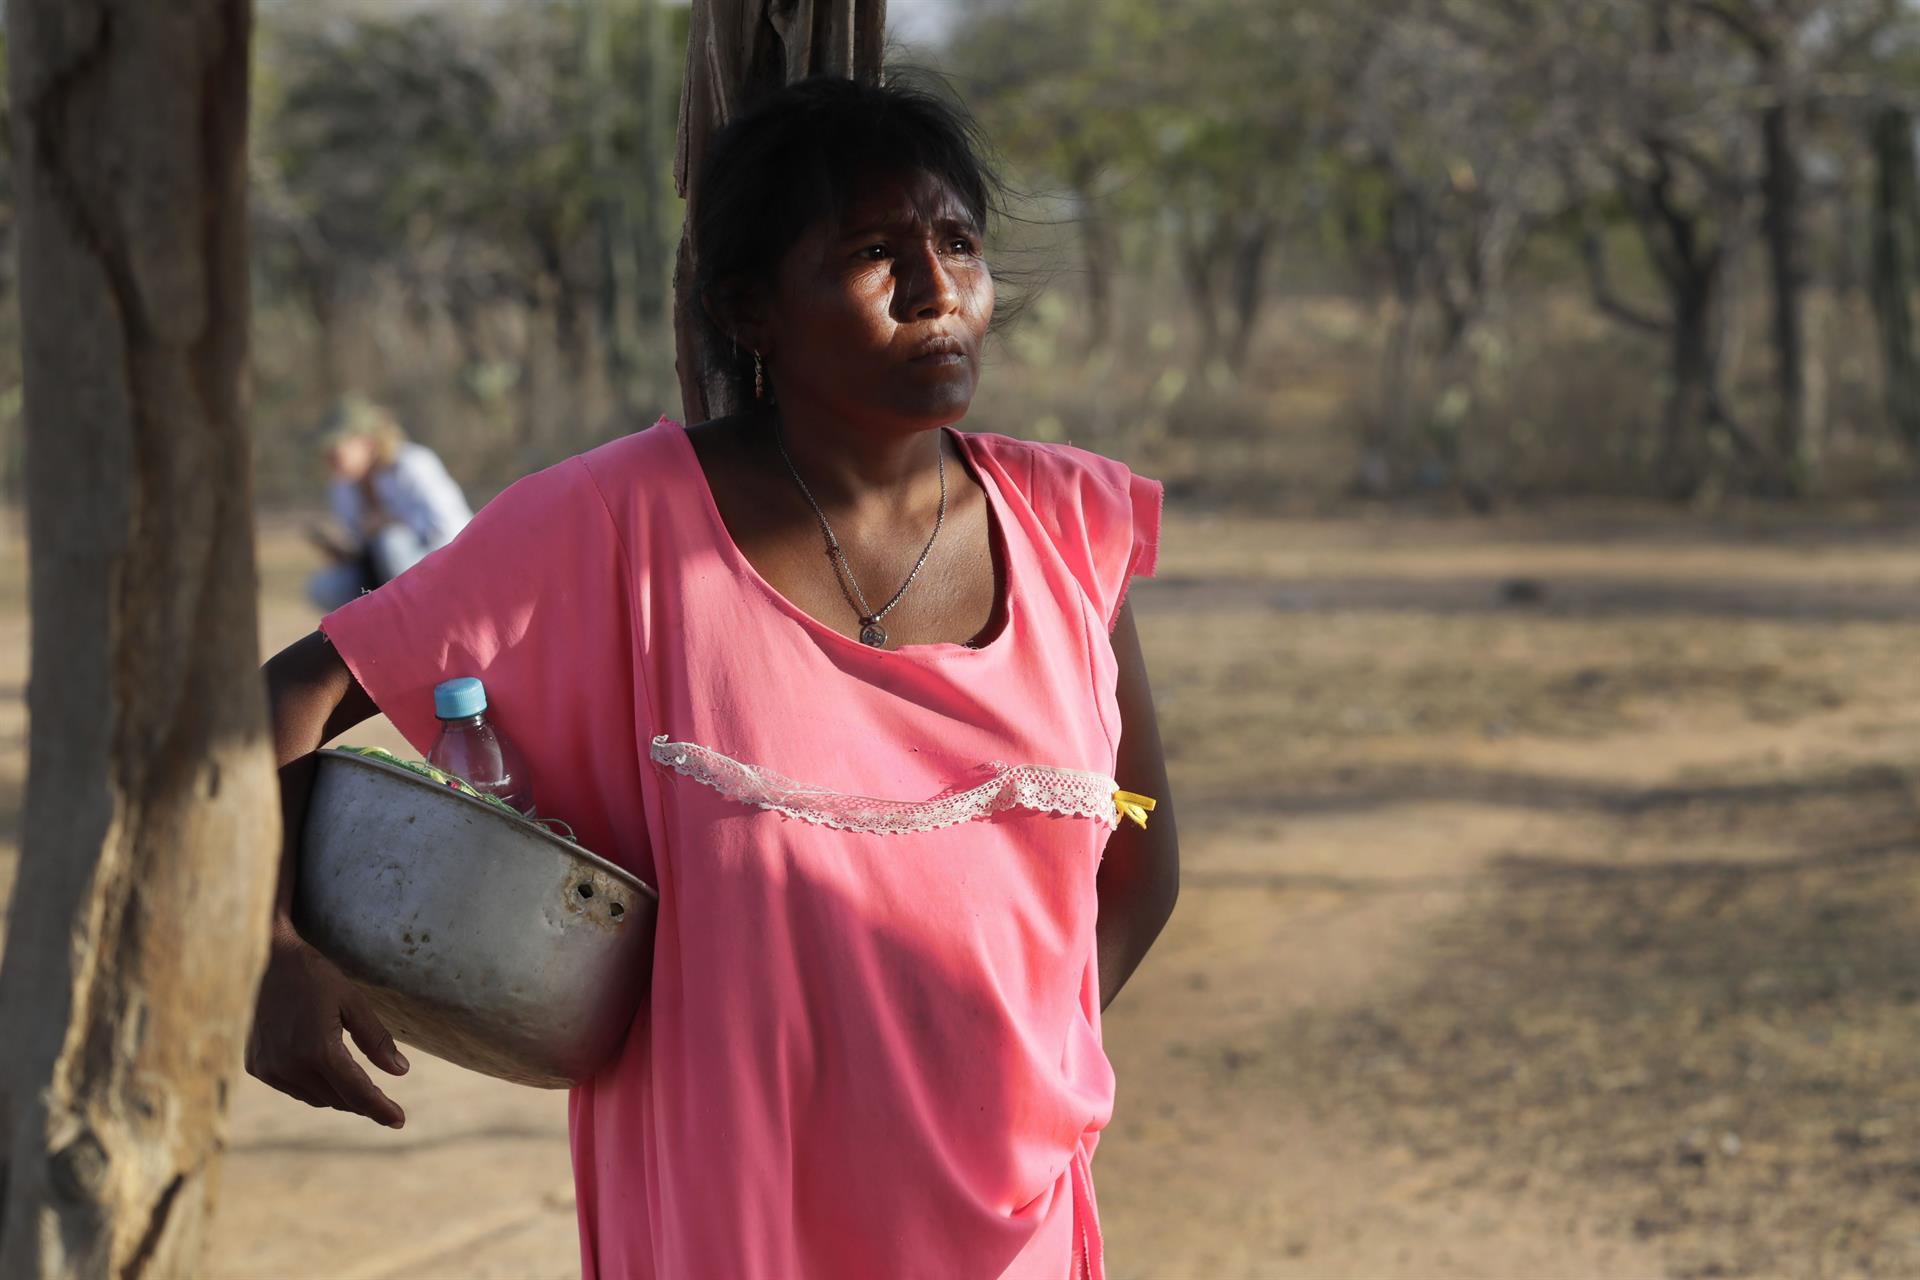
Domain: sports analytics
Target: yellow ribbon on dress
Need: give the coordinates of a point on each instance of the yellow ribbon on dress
(1136, 807)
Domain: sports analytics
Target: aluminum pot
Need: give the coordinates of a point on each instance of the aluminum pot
(478, 937)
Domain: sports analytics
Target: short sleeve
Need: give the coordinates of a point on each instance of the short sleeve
(530, 598)
(1102, 518)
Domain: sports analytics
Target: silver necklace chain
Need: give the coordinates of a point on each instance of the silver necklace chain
(871, 632)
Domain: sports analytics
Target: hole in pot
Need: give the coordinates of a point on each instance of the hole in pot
(585, 891)
(616, 910)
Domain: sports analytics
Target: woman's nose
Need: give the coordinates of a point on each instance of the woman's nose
(927, 289)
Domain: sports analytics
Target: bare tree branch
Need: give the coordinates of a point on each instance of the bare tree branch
(1600, 285)
(1744, 25)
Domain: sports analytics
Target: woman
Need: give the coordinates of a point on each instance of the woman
(773, 664)
(393, 498)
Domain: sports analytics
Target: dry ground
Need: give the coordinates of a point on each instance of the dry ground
(1549, 910)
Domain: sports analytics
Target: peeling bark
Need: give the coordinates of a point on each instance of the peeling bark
(139, 920)
(736, 49)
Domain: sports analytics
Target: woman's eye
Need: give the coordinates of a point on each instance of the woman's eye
(872, 253)
(962, 245)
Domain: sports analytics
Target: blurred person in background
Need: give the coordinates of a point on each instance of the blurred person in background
(392, 499)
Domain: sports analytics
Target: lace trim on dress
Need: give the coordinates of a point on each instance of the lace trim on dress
(1072, 793)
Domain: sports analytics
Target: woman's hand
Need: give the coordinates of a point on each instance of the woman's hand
(331, 543)
(296, 1045)
(305, 1001)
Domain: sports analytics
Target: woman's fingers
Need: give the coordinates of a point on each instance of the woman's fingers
(297, 1045)
(356, 1090)
(358, 1017)
(309, 1087)
(317, 1089)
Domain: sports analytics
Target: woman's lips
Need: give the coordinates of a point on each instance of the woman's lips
(939, 349)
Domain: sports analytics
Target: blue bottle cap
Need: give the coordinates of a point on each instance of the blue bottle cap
(458, 698)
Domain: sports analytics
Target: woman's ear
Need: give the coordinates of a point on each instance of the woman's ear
(737, 313)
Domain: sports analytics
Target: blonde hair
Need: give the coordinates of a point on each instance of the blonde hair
(356, 418)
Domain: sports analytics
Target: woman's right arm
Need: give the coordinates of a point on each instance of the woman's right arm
(305, 1001)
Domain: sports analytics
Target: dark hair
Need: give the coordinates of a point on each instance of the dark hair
(798, 154)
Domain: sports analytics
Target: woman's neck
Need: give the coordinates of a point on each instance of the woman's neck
(851, 468)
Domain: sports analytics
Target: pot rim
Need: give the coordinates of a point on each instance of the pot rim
(588, 856)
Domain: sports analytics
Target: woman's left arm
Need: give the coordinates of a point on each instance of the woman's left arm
(1139, 875)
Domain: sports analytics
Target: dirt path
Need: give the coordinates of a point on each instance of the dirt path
(1567, 931)
(1548, 911)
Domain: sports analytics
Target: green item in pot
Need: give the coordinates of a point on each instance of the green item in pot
(551, 825)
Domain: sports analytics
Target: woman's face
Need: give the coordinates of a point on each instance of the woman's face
(879, 320)
(352, 458)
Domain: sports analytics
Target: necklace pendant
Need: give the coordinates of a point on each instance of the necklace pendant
(872, 633)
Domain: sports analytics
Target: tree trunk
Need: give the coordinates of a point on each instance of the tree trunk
(652, 248)
(570, 341)
(532, 386)
(617, 277)
(1896, 224)
(139, 925)
(1697, 405)
(464, 319)
(1385, 458)
(1197, 255)
(1096, 251)
(1251, 244)
(734, 49)
(1683, 443)
(557, 292)
(321, 285)
(1781, 186)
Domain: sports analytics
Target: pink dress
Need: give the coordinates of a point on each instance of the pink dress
(872, 1043)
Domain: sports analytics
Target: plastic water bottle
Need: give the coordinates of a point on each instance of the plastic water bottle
(473, 750)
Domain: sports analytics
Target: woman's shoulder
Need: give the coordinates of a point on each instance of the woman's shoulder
(625, 461)
(1101, 518)
(1042, 466)
(613, 477)
(582, 491)
(1070, 489)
